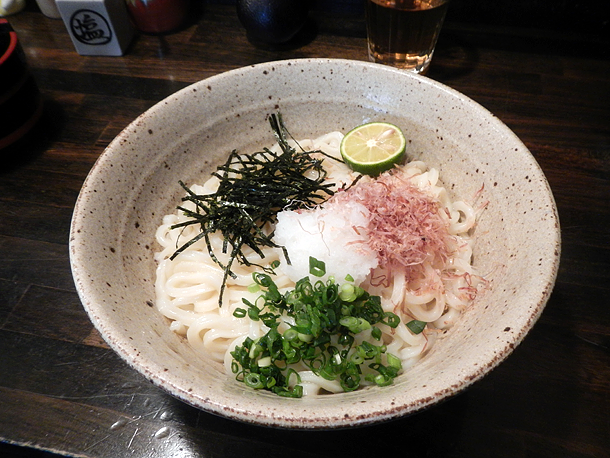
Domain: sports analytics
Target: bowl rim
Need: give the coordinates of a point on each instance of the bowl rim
(87, 296)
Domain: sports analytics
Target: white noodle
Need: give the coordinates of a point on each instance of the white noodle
(188, 287)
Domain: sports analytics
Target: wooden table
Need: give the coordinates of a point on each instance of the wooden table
(63, 390)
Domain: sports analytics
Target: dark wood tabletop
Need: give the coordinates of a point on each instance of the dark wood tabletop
(63, 391)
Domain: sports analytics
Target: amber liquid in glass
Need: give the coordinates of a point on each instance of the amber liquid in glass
(403, 33)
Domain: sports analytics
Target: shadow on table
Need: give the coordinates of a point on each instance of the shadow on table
(433, 432)
(14, 451)
(36, 141)
(454, 57)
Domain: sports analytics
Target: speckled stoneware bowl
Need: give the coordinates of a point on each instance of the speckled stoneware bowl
(135, 182)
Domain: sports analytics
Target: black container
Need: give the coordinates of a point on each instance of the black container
(272, 22)
(20, 99)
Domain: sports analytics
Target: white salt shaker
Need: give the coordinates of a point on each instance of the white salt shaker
(97, 27)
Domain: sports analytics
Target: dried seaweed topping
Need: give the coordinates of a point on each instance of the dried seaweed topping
(253, 189)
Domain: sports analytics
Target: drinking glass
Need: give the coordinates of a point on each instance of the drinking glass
(403, 33)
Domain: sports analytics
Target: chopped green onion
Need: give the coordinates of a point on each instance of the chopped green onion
(305, 337)
(355, 325)
(316, 267)
(264, 362)
(253, 313)
(254, 288)
(348, 292)
(416, 326)
(234, 367)
(357, 358)
(254, 380)
(290, 335)
(392, 319)
(394, 362)
(376, 333)
(239, 313)
(383, 380)
(321, 338)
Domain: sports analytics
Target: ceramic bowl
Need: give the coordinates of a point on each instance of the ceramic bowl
(135, 182)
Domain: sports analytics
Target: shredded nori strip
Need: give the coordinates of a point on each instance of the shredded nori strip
(253, 189)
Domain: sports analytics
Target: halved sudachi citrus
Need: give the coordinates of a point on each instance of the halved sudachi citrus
(373, 148)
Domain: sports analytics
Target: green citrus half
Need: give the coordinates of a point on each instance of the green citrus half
(373, 148)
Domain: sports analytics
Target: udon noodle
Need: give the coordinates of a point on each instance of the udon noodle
(188, 287)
